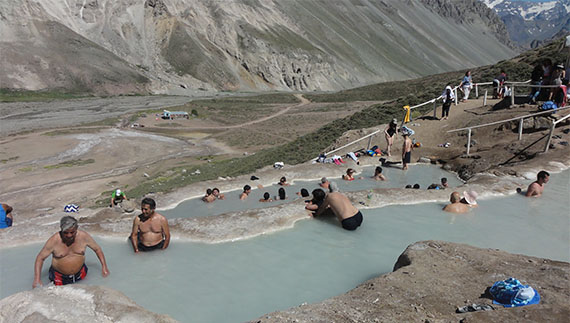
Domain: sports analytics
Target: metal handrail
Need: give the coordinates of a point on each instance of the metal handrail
(507, 120)
(434, 100)
(521, 118)
(353, 142)
(554, 123)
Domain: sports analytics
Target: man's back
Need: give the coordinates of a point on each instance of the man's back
(456, 208)
(341, 205)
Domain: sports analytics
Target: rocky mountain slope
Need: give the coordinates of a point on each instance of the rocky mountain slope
(531, 23)
(182, 46)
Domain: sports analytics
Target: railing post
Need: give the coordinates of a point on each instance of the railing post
(485, 99)
(549, 137)
(520, 128)
(476, 91)
(513, 94)
(455, 96)
(434, 108)
(369, 141)
(468, 140)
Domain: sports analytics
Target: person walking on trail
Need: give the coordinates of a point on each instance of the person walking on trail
(466, 85)
(390, 133)
(448, 98)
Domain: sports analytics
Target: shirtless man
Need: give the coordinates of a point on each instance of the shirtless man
(406, 150)
(245, 193)
(378, 174)
(537, 187)
(150, 229)
(346, 213)
(67, 248)
(456, 206)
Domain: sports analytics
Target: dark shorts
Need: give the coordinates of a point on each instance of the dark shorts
(142, 247)
(407, 157)
(353, 222)
(60, 279)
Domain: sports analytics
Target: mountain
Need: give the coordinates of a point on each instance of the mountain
(184, 46)
(531, 23)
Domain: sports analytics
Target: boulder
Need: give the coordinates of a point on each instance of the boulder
(128, 206)
(75, 303)
(431, 279)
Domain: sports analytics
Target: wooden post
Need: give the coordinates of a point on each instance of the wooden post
(485, 99)
(513, 94)
(468, 141)
(520, 128)
(434, 107)
(476, 91)
(455, 96)
(549, 137)
(369, 141)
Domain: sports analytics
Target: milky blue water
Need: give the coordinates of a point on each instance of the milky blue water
(317, 259)
(420, 174)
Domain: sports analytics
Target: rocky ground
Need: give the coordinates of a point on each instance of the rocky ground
(431, 279)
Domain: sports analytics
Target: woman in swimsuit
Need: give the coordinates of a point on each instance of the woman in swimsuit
(390, 131)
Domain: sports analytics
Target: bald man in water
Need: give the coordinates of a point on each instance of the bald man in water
(67, 248)
(456, 206)
(349, 216)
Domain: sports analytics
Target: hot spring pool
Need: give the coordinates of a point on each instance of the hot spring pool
(421, 174)
(317, 259)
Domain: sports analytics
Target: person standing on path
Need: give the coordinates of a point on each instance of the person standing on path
(448, 98)
(466, 85)
(390, 133)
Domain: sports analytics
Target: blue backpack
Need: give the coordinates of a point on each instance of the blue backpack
(548, 105)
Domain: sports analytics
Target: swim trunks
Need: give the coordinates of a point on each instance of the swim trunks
(408, 157)
(353, 222)
(60, 279)
(142, 247)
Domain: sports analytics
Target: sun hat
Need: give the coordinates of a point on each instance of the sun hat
(118, 192)
(470, 197)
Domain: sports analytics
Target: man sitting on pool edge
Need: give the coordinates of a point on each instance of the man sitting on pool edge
(150, 229)
(349, 216)
(67, 248)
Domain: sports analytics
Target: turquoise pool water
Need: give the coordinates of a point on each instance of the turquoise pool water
(421, 174)
(239, 281)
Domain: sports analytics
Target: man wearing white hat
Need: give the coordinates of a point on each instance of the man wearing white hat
(117, 197)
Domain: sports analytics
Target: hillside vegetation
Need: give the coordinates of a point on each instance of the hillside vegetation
(310, 145)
